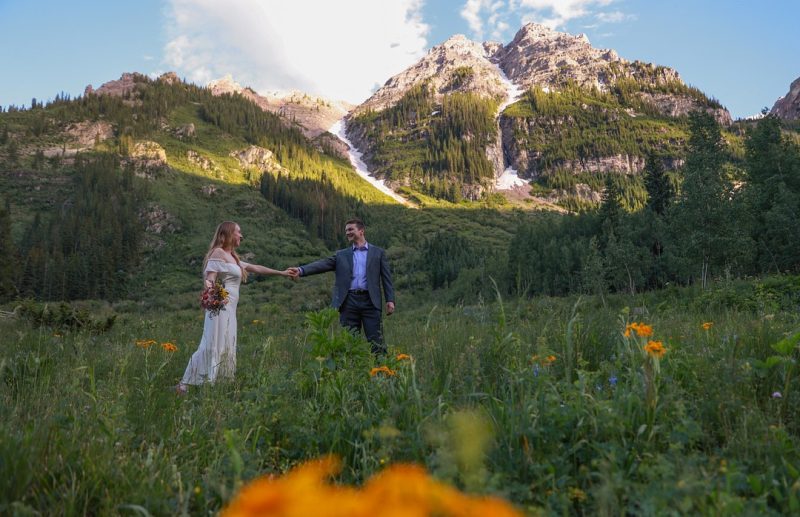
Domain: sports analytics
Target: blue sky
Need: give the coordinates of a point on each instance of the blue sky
(744, 53)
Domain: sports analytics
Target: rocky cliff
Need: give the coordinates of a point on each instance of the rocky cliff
(788, 106)
(312, 115)
(458, 64)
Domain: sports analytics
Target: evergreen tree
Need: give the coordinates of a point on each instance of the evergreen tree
(773, 195)
(8, 255)
(659, 188)
(706, 232)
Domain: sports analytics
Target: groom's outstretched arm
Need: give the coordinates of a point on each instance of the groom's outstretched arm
(319, 266)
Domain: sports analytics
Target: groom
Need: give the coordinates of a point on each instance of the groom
(361, 269)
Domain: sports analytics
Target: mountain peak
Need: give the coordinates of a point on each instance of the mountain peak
(788, 106)
(224, 85)
(457, 64)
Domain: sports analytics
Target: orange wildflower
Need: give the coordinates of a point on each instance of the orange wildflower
(169, 347)
(382, 369)
(145, 343)
(641, 329)
(398, 490)
(707, 325)
(403, 357)
(655, 349)
(550, 359)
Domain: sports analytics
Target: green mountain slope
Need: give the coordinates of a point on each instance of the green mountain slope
(193, 160)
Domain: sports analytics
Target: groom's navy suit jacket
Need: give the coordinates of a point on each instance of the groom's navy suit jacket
(378, 274)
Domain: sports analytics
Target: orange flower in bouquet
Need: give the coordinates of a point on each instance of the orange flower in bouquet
(214, 298)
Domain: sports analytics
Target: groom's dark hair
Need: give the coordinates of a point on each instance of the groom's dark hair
(356, 221)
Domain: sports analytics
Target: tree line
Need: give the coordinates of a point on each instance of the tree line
(88, 247)
(723, 219)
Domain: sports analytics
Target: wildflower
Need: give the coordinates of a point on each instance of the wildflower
(397, 490)
(777, 395)
(641, 329)
(535, 370)
(644, 330)
(403, 357)
(57, 335)
(550, 359)
(169, 347)
(655, 349)
(576, 494)
(382, 369)
(707, 325)
(145, 343)
(257, 322)
(198, 490)
(612, 380)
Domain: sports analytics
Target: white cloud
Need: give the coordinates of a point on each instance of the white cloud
(491, 13)
(342, 50)
(614, 17)
(472, 13)
(556, 13)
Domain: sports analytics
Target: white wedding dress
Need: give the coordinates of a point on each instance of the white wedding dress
(216, 356)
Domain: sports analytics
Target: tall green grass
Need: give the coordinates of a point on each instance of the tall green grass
(90, 423)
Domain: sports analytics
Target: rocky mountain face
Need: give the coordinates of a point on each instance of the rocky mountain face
(788, 106)
(458, 64)
(313, 115)
(538, 58)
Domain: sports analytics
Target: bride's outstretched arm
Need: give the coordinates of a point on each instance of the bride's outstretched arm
(262, 270)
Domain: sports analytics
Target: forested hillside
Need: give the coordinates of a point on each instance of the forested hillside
(438, 149)
(135, 205)
(135, 202)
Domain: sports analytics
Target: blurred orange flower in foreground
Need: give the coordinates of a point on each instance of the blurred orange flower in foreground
(402, 357)
(707, 325)
(400, 490)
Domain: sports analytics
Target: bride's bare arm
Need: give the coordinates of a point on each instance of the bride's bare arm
(211, 277)
(262, 270)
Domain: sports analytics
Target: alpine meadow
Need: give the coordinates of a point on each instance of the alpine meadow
(616, 334)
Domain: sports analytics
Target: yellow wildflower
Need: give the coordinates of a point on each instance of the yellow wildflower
(576, 494)
(707, 325)
(655, 349)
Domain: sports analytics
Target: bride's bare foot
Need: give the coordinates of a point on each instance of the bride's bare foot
(181, 389)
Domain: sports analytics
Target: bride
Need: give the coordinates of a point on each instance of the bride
(216, 355)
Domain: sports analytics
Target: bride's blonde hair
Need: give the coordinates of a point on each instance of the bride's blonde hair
(223, 238)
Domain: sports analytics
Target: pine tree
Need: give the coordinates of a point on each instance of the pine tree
(8, 255)
(706, 232)
(659, 188)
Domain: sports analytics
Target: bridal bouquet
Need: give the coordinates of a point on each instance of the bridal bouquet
(214, 298)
